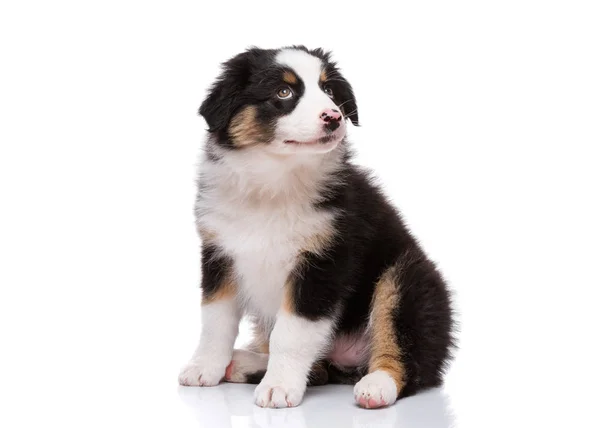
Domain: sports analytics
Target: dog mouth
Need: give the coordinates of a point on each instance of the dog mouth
(323, 140)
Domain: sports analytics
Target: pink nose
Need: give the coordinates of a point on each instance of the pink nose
(330, 115)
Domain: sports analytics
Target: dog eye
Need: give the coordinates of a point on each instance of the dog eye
(328, 91)
(284, 93)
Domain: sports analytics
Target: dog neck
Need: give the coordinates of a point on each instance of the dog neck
(255, 175)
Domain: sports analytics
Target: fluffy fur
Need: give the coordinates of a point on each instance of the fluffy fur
(300, 240)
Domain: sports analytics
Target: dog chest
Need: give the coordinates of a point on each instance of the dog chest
(264, 242)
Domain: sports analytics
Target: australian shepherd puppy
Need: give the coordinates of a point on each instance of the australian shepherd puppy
(299, 240)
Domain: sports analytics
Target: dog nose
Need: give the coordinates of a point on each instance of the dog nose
(330, 114)
(331, 118)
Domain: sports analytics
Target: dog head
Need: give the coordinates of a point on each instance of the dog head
(290, 100)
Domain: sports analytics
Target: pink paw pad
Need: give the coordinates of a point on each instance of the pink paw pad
(370, 403)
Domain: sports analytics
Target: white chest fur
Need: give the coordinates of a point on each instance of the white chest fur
(262, 223)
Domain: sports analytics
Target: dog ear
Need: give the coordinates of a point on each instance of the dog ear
(347, 100)
(225, 95)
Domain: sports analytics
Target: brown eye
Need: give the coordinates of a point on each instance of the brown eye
(328, 91)
(284, 93)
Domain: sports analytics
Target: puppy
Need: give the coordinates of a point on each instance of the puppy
(301, 242)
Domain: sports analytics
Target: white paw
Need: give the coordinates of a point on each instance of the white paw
(201, 372)
(245, 363)
(376, 389)
(277, 395)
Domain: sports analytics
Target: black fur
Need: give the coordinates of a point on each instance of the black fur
(371, 239)
(215, 268)
(256, 377)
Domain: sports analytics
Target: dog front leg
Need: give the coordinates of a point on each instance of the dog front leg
(296, 343)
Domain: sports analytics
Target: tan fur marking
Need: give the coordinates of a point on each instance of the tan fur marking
(318, 374)
(260, 341)
(207, 235)
(385, 352)
(323, 76)
(264, 347)
(289, 77)
(244, 130)
(226, 290)
(288, 297)
(318, 242)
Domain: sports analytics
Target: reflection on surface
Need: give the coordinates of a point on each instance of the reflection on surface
(232, 406)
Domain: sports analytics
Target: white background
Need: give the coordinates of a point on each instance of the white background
(481, 118)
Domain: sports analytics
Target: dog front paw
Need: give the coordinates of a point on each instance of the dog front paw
(278, 394)
(201, 372)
